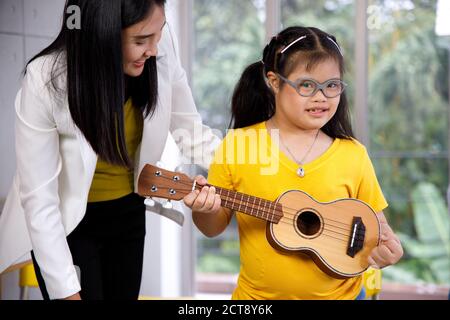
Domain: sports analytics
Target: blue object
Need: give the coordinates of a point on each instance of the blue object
(362, 294)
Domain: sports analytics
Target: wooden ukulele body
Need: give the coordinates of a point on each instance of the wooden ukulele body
(325, 231)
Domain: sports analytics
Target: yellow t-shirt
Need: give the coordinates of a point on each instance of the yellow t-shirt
(111, 181)
(248, 161)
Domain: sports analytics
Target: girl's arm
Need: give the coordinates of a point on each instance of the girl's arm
(390, 249)
(208, 215)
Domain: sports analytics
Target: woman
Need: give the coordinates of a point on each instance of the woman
(94, 108)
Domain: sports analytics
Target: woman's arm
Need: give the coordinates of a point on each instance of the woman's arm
(38, 168)
(390, 249)
(74, 297)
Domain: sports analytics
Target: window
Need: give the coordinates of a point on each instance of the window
(229, 35)
(407, 110)
(408, 113)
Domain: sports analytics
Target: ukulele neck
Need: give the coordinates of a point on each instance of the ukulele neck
(253, 206)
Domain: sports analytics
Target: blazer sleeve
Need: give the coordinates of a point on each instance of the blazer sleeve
(196, 141)
(38, 168)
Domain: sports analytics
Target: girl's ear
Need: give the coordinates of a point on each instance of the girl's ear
(273, 81)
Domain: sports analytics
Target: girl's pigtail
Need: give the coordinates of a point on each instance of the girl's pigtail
(253, 101)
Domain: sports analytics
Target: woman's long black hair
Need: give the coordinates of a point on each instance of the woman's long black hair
(95, 76)
(253, 101)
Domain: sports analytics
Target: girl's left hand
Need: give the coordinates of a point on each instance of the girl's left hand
(390, 249)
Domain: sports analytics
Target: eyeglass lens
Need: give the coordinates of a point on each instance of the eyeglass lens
(331, 88)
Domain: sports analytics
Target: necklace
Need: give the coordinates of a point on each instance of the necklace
(300, 171)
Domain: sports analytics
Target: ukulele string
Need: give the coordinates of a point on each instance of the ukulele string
(291, 211)
(289, 221)
(280, 214)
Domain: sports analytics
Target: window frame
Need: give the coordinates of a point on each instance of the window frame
(272, 26)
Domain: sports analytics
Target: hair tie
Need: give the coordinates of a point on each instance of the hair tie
(337, 46)
(292, 43)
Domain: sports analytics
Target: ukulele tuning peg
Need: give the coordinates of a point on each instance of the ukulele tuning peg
(149, 202)
(168, 205)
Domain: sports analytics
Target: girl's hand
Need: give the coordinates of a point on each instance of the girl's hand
(206, 201)
(390, 249)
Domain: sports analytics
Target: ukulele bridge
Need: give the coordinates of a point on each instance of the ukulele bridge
(357, 235)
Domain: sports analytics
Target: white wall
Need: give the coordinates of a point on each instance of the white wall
(26, 27)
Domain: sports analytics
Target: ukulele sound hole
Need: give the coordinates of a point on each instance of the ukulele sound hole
(308, 223)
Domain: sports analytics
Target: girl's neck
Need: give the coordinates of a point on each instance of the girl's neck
(301, 145)
(289, 130)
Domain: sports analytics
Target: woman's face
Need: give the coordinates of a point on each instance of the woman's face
(140, 41)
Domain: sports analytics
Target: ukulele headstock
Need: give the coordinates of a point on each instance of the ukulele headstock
(160, 183)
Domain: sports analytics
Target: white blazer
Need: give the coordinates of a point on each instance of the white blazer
(56, 165)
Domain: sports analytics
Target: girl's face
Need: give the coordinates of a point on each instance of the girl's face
(140, 42)
(306, 113)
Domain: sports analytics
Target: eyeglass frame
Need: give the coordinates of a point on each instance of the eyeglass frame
(319, 86)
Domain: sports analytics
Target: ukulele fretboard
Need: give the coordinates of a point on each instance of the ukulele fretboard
(253, 206)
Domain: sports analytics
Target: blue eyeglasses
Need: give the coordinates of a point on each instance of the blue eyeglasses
(308, 87)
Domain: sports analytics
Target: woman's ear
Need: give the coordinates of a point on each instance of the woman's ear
(273, 81)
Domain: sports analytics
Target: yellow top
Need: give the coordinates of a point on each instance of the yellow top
(111, 181)
(248, 161)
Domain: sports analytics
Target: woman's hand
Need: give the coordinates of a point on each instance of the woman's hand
(74, 297)
(390, 249)
(206, 201)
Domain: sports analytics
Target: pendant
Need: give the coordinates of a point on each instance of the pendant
(301, 172)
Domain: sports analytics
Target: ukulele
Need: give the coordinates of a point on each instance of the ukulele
(339, 236)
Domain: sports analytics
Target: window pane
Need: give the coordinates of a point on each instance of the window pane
(336, 17)
(229, 35)
(408, 103)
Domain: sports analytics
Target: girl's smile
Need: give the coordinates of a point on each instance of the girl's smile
(318, 112)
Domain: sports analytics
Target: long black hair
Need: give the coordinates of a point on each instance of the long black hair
(253, 101)
(93, 63)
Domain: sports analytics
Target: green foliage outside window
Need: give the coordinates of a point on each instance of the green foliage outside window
(408, 107)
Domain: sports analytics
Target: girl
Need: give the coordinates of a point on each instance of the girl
(295, 93)
(94, 108)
